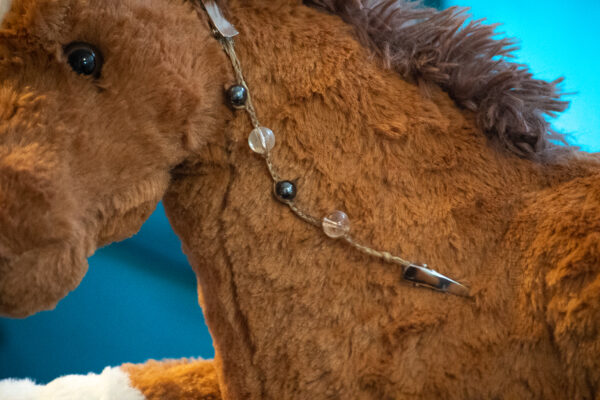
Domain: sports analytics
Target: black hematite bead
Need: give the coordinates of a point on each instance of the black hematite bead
(285, 190)
(237, 95)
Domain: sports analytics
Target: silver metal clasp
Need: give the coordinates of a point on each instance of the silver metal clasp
(219, 22)
(423, 276)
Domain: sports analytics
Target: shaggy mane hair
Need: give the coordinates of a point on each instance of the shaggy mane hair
(428, 46)
(467, 60)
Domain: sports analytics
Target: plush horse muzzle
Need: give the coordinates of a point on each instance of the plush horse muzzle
(89, 132)
(40, 239)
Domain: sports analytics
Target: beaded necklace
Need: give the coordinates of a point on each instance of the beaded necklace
(261, 140)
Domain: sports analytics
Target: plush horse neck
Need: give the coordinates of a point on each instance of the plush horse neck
(295, 314)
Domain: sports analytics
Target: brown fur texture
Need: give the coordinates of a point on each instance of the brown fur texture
(430, 47)
(97, 155)
(175, 379)
(293, 313)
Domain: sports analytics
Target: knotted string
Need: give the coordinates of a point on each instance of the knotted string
(418, 274)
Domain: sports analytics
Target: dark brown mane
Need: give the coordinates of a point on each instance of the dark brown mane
(429, 46)
(467, 60)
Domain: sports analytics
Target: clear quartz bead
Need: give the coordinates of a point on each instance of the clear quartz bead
(336, 224)
(261, 140)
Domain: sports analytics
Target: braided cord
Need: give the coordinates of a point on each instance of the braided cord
(229, 47)
(440, 282)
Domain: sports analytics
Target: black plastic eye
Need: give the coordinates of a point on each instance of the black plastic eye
(84, 58)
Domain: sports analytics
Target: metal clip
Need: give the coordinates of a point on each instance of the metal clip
(423, 276)
(224, 27)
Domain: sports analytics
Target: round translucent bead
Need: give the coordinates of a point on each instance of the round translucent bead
(261, 140)
(336, 224)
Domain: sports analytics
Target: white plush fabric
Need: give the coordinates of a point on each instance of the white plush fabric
(111, 384)
(4, 7)
(11, 389)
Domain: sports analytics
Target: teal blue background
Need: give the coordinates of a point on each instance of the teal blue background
(138, 300)
(557, 38)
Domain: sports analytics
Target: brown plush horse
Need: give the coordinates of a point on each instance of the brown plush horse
(412, 123)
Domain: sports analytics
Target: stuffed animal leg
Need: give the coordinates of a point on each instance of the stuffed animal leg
(175, 379)
(165, 380)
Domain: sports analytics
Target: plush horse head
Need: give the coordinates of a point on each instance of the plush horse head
(99, 101)
(405, 118)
